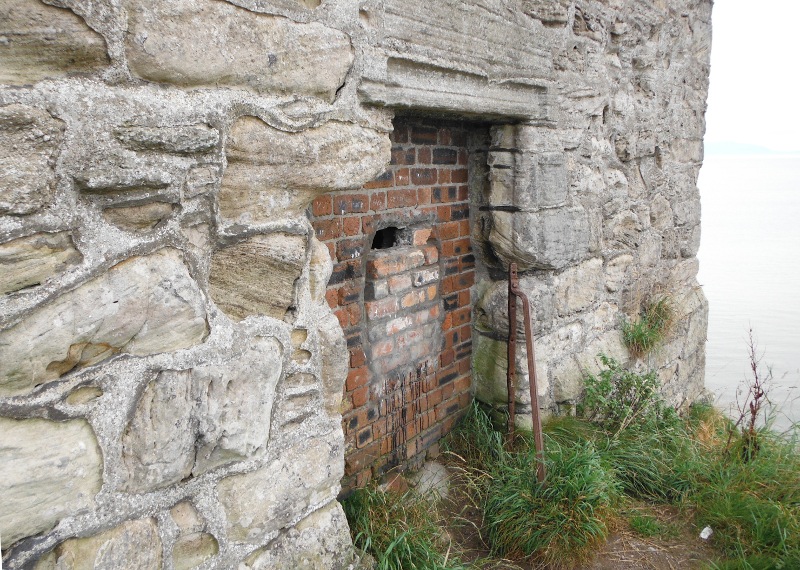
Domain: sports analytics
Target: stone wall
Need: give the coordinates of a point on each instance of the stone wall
(171, 375)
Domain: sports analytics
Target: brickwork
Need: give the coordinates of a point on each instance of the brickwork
(401, 288)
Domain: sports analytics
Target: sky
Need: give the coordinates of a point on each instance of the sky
(754, 96)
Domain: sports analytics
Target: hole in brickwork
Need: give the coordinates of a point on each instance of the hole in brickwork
(385, 238)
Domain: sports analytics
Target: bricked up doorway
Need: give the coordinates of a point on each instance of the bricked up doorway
(402, 288)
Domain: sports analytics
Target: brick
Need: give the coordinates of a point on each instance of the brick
(424, 155)
(343, 316)
(350, 204)
(374, 290)
(412, 298)
(464, 366)
(463, 192)
(322, 205)
(464, 298)
(444, 176)
(446, 376)
(400, 133)
(402, 155)
(402, 177)
(425, 276)
(399, 324)
(357, 357)
(462, 384)
(459, 175)
(449, 230)
(363, 478)
(386, 265)
(362, 458)
(423, 135)
(423, 176)
(347, 249)
(444, 213)
(345, 271)
(349, 293)
(385, 180)
(379, 349)
(445, 156)
(399, 283)
(432, 291)
(463, 156)
(328, 229)
(463, 229)
(355, 313)
(453, 248)
(423, 196)
(431, 254)
(364, 437)
(377, 202)
(332, 297)
(381, 308)
(447, 357)
(360, 396)
(421, 236)
(445, 137)
(401, 198)
(351, 226)
(467, 262)
(459, 212)
(458, 137)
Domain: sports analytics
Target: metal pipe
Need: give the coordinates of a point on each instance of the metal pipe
(513, 287)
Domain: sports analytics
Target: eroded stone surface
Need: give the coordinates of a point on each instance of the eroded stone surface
(192, 43)
(134, 544)
(257, 504)
(187, 422)
(31, 260)
(41, 41)
(139, 218)
(320, 541)
(144, 305)
(242, 273)
(49, 470)
(273, 173)
(29, 143)
(179, 139)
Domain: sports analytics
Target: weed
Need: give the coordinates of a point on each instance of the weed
(654, 323)
(400, 531)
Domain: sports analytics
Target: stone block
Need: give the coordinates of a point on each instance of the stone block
(139, 218)
(241, 275)
(29, 143)
(616, 272)
(180, 139)
(192, 43)
(31, 260)
(541, 180)
(321, 541)
(41, 41)
(144, 305)
(264, 501)
(549, 239)
(578, 287)
(274, 173)
(134, 544)
(49, 470)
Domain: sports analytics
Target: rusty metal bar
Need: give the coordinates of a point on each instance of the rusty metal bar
(512, 354)
(514, 292)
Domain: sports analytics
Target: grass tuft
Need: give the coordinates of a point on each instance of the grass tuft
(654, 323)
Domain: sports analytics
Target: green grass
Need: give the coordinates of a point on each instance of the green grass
(653, 324)
(401, 531)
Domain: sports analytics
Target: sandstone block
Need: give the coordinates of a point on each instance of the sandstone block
(41, 41)
(188, 422)
(257, 503)
(144, 305)
(181, 139)
(541, 180)
(31, 260)
(257, 276)
(616, 272)
(133, 545)
(192, 43)
(550, 239)
(321, 541)
(579, 286)
(29, 143)
(273, 173)
(139, 218)
(49, 470)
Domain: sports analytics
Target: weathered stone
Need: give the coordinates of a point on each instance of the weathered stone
(31, 260)
(82, 395)
(133, 545)
(319, 270)
(177, 140)
(193, 549)
(29, 142)
(40, 41)
(549, 239)
(188, 422)
(550, 13)
(241, 273)
(192, 43)
(49, 470)
(144, 305)
(541, 180)
(273, 173)
(579, 286)
(138, 218)
(320, 541)
(489, 372)
(660, 213)
(616, 272)
(257, 504)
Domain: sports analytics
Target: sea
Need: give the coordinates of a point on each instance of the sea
(750, 272)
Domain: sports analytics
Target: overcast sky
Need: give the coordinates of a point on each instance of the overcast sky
(755, 74)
